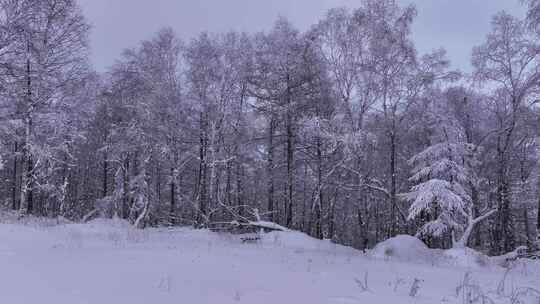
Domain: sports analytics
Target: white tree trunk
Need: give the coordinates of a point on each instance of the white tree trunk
(25, 174)
(141, 219)
(464, 240)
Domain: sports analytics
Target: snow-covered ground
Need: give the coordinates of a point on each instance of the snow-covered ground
(107, 261)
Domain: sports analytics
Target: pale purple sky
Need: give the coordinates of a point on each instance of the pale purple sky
(456, 25)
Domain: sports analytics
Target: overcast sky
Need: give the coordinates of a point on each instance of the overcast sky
(456, 25)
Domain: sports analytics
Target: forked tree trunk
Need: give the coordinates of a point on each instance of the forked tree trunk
(472, 222)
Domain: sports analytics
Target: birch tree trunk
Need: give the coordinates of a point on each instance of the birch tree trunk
(26, 174)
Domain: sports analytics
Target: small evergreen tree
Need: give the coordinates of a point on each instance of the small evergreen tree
(441, 174)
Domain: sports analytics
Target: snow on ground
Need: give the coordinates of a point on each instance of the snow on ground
(402, 247)
(106, 261)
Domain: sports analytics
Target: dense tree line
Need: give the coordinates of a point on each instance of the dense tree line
(343, 131)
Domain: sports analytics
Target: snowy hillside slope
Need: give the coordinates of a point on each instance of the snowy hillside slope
(107, 261)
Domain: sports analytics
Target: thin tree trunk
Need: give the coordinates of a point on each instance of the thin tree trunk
(332, 220)
(476, 213)
(105, 175)
(240, 188)
(527, 228)
(228, 184)
(362, 227)
(238, 155)
(270, 170)
(393, 182)
(504, 237)
(538, 224)
(318, 211)
(172, 210)
(158, 182)
(364, 221)
(290, 160)
(26, 179)
(306, 228)
(65, 184)
(290, 157)
(377, 223)
(203, 170)
(14, 204)
(125, 190)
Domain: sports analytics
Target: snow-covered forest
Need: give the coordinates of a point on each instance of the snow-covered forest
(344, 131)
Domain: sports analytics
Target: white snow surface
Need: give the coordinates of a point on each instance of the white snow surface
(404, 248)
(107, 261)
(407, 248)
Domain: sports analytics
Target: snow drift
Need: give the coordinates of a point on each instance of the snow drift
(404, 248)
